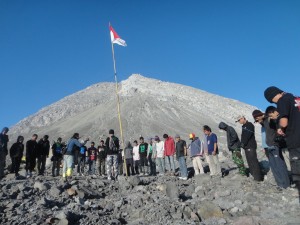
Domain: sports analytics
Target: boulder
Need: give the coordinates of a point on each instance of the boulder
(208, 209)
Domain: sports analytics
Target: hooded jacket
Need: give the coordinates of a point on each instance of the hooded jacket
(128, 151)
(233, 141)
(43, 147)
(17, 149)
(4, 140)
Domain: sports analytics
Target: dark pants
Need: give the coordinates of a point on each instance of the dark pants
(129, 165)
(41, 164)
(80, 164)
(253, 164)
(144, 164)
(136, 164)
(295, 167)
(120, 167)
(30, 163)
(92, 167)
(15, 165)
(101, 166)
(152, 166)
(56, 166)
(278, 167)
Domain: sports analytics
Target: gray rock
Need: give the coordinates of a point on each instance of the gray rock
(41, 186)
(55, 192)
(119, 203)
(208, 209)
(202, 180)
(63, 222)
(172, 190)
(134, 180)
(245, 220)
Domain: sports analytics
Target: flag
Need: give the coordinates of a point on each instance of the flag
(115, 38)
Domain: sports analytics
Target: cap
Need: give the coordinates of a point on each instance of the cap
(177, 136)
(192, 135)
(239, 117)
(271, 92)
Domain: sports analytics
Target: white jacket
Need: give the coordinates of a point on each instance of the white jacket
(160, 149)
(136, 153)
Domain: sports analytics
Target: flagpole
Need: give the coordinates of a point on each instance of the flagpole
(118, 104)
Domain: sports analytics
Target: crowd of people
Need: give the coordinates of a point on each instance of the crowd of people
(280, 130)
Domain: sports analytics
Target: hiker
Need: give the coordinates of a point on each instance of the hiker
(31, 154)
(101, 158)
(16, 154)
(169, 153)
(212, 151)
(288, 107)
(42, 154)
(160, 155)
(273, 149)
(151, 155)
(136, 157)
(3, 150)
(234, 145)
(57, 156)
(196, 151)
(92, 157)
(128, 158)
(112, 149)
(181, 152)
(143, 148)
(82, 159)
(248, 143)
(69, 155)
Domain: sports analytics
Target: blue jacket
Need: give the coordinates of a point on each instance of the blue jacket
(196, 147)
(73, 142)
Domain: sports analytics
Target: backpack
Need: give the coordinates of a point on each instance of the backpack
(114, 148)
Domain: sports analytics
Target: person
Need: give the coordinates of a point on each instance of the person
(42, 154)
(160, 155)
(31, 154)
(101, 158)
(57, 156)
(112, 149)
(143, 148)
(248, 143)
(169, 153)
(234, 145)
(82, 158)
(3, 150)
(92, 157)
(69, 155)
(151, 154)
(128, 158)
(136, 157)
(121, 164)
(196, 151)
(181, 152)
(212, 151)
(288, 107)
(16, 154)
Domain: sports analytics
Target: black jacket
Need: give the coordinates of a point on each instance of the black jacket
(57, 150)
(233, 141)
(16, 150)
(101, 152)
(248, 136)
(4, 140)
(31, 149)
(115, 150)
(43, 147)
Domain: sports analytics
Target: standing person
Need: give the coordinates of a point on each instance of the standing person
(196, 151)
(57, 156)
(16, 154)
(212, 151)
(128, 158)
(42, 154)
(273, 151)
(181, 152)
(112, 149)
(92, 156)
(170, 152)
(82, 158)
(234, 145)
(143, 148)
(136, 157)
(101, 158)
(248, 143)
(3, 150)
(69, 155)
(160, 155)
(151, 155)
(31, 154)
(288, 107)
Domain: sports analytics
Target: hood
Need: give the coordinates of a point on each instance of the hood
(20, 139)
(128, 144)
(5, 130)
(223, 126)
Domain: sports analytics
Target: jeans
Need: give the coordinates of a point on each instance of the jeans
(182, 166)
(80, 164)
(56, 166)
(92, 166)
(68, 165)
(170, 161)
(112, 166)
(152, 166)
(41, 164)
(161, 165)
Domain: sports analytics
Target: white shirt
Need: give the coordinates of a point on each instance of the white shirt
(160, 149)
(136, 153)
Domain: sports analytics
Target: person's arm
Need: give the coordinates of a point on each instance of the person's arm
(184, 149)
(215, 144)
(247, 133)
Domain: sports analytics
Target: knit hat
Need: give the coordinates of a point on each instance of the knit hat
(271, 92)
(256, 113)
(177, 136)
(111, 131)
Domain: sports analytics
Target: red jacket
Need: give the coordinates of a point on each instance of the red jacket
(169, 147)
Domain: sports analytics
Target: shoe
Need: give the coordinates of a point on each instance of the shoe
(82, 174)
(184, 178)
(109, 178)
(146, 174)
(141, 174)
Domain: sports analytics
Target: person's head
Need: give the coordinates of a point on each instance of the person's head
(92, 144)
(258, 116)
(206, 130)
(165, 136)
(223, 126)
(111, 132)
(135, 143)
(59, 140)
(156, 139)
(273, 94)
(45, 138)
(20, 139)
(4, 130)
(241, 119)
(272, 112)
(127, 144)
(101, 143)
(177, 137)
(34, 137)
(142, 140)
(75, 136)
(192, 136)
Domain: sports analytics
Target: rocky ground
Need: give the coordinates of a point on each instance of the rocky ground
(202, 199)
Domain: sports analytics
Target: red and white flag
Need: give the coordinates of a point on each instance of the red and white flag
(115, 38)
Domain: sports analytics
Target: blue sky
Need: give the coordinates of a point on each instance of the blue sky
(52, 48)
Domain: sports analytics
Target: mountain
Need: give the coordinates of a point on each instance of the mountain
(149, 107)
